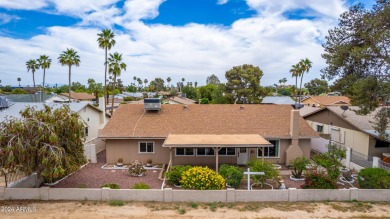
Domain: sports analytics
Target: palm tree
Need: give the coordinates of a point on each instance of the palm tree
(106, 41)
(19, 79)
(196, 84)
(139, 84)
(44, 63)
(145, 82)
(305, 65)
(115, 66)
(33, 66)
(169, 81)
(135, 79)
(296, 72)
(69, 58)
(182, 84)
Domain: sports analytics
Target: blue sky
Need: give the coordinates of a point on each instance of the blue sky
(166, 38)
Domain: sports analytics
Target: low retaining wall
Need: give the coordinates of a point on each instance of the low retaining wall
(31, 181)
(169, 195)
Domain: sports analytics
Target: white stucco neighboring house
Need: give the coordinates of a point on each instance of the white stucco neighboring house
(93, 118)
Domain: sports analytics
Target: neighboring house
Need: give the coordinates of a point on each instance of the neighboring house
(278, 100)
(93, 118)
(74, 97)
(347, 129)
(194, 134)
(28, 97)
(323, 101)
(179, 100)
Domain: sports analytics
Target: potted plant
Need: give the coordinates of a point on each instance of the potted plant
(149, 162)
(120, 162)
(299, 165)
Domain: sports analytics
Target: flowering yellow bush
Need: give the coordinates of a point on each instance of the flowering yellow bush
(202, 178)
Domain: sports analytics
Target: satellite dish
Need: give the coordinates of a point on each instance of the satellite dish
(344, 107)
(298, 106)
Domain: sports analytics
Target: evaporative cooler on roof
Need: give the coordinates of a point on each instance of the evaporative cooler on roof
(152, 104)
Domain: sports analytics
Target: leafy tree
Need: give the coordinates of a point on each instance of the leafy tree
(157, 84)
(218, 97)
(190, 92)
(120, 85)
(131, 88)
(263, 166)
(44, 63)
(207, 91)
(95, 88)
(19, 91)
(19, 79)
(115, 66)
(78, 87)
(69, 58)
(212, 79)
(331, 160)
(33, 66)
(52, 150)
(106, 41)
(243, 84)
(317, 86)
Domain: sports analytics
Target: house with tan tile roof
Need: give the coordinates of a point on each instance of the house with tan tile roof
(347, 128)
(75, 97)
(203, 134)
(180, 100)
(323, 101)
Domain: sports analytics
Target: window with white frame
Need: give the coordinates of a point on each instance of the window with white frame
(204, 152)
(146, 147)
(184, 152)
(227, 152)
(270, 152)
(320, 128)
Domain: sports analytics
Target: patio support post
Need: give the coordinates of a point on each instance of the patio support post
(216, 150)
(262, 154)
(170, 156)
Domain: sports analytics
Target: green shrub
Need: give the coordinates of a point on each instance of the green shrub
(116, 203)
(141, 186)
(263, 166)
(111, 186)
(202, 178)
(331, 160)
(174, 174)
(314, 180)
(299, 165)
(231, 174)
(374, 178)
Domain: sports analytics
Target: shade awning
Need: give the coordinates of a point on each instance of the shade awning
(245, 140)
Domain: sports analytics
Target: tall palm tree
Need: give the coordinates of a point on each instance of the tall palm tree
(44, 63)
(182, 84)
(19, 79)
(135, 79)
(139, 84)
(106, 41)
(115, 66)
(305, 67)
(145, 82)
(69, 58)
(296, 72)
(169, 81)
(33, 66)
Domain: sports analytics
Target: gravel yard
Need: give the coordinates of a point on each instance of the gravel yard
(93, 176)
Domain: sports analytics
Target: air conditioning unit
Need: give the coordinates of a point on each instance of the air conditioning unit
(152, 104)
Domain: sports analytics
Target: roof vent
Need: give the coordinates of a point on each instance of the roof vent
(4, 103)
(242, 107)
(185, 107)
(152, 104)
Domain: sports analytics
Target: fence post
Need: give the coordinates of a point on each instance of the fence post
(168, 195)
(354, 194)
(348, 158)
(230, 195)
(44, 193)
(292, 195)
(105, 194)
(375, 162)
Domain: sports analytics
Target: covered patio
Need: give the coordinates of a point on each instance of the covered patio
(216, 142)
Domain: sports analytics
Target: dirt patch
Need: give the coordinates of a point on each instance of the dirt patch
(96, 210)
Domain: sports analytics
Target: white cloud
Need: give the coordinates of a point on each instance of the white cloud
(23, 4)
(6, 18)
(222, 2)
(193, 51)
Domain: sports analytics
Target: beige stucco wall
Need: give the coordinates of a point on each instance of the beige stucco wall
(94, 120)
(127, 149)
(373, 151)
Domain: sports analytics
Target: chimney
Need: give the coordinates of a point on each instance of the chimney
(294, 124)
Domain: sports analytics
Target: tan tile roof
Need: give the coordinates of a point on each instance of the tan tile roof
(267, 120)
(182, 100)
(329, 100)
(308, 110)
(79, 96)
